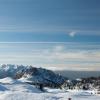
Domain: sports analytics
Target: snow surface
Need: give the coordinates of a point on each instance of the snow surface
(8, 80)
(11, 89)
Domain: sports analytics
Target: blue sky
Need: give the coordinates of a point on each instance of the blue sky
(59, 34)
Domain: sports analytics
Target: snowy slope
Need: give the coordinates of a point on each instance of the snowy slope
(18, 90)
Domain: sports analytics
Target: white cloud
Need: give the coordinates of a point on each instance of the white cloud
(72, 34)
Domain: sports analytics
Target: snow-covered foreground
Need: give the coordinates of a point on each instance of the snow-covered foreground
(17, 90)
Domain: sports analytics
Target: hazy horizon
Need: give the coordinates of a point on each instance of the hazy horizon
(79, 74)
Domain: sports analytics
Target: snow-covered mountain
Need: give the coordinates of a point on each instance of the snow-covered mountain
(9, 70)
(32, 74)
(15, 78)
(46, 78)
